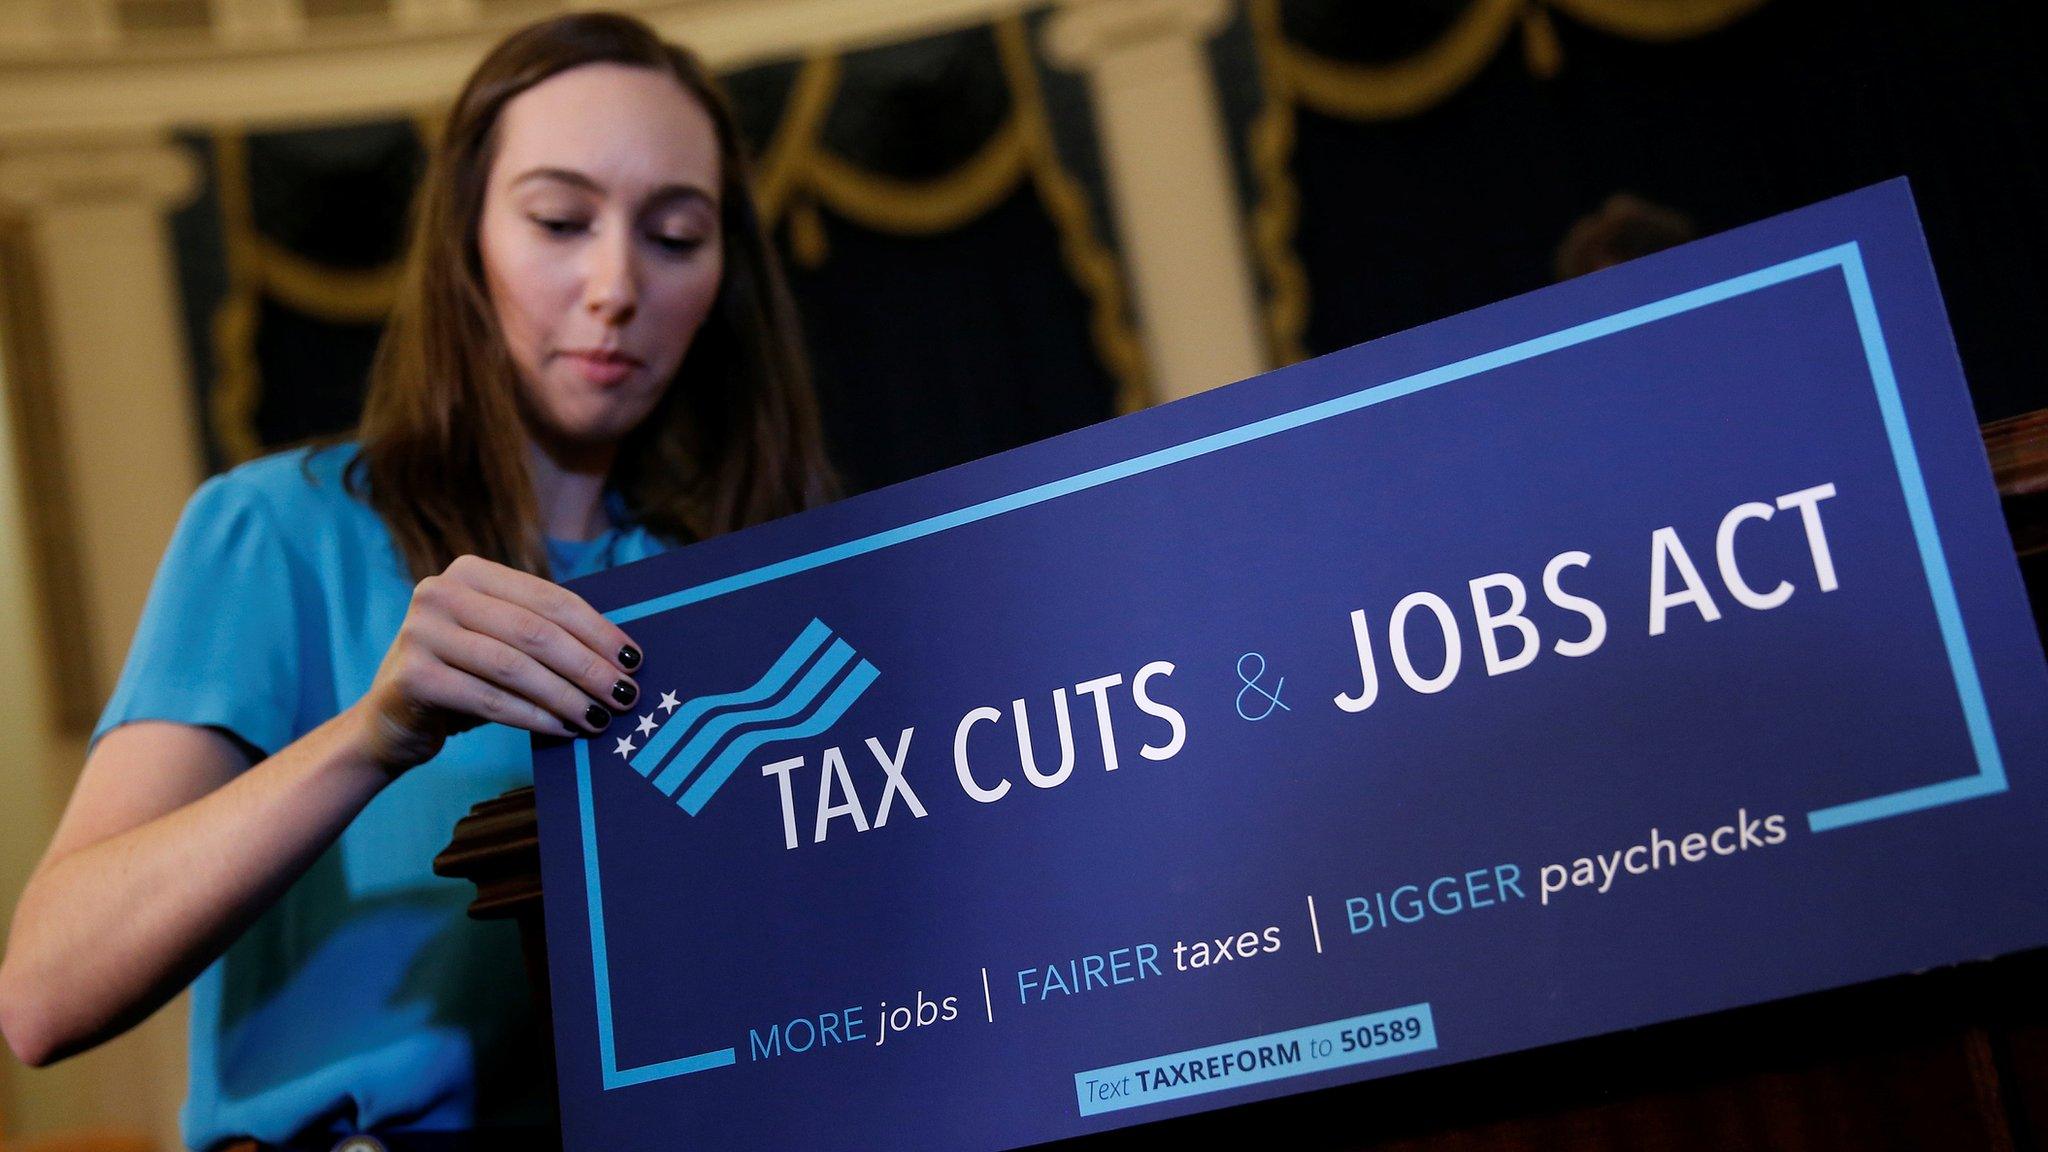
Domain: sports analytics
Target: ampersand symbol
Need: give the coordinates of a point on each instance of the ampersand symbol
(1251, 684)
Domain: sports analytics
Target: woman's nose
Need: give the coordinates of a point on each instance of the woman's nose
(611, 288)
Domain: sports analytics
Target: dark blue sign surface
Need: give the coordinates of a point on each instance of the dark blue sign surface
(1641, 647)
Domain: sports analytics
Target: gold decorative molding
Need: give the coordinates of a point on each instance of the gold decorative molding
(1090, 262)
(1295, 76)
(796, 134)
(922, 207)
(798, 174)
(795, 176)
(1657, 19)
(1355, 91)
(336, 295)
(1386, 91)
(237, 388)
(71, 84)
(1276, 212)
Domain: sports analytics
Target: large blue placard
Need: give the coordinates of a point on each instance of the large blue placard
(1640, 647)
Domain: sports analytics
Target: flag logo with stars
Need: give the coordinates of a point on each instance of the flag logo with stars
(803, 693)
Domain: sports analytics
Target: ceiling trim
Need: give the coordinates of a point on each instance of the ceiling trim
(365, 74)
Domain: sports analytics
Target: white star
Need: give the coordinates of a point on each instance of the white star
(647, 725)
(669, 703)
(625, 747)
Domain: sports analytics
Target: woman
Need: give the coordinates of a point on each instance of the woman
(594, 358)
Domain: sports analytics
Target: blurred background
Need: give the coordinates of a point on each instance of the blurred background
(1003, 221)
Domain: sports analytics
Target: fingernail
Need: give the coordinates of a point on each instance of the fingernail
(629, 657)
(598, 717)
(625, 693)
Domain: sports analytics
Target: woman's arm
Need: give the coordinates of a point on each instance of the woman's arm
(173, 842)
(166, 852)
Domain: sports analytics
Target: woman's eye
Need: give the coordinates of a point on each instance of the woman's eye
(558, 226)
(678, 243)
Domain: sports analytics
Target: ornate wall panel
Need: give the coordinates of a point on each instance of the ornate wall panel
(936, 200)
(942, 207)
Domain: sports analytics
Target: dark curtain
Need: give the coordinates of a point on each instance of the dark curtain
(1407, 220)
(936, 347)
(932, 350)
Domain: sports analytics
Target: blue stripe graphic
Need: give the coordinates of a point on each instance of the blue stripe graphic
(677, 726)
(835, 706)
(807, 690)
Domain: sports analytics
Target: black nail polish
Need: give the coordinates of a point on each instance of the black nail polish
(598, 717)
(629, 657)
(625, 693)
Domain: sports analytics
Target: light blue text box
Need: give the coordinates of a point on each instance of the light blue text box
(1276, 1056)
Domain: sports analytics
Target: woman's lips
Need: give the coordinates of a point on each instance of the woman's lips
(602, 368)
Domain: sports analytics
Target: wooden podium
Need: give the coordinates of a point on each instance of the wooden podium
(1951, 1059)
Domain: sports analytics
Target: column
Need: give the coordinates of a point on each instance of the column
(1177, 212)
(126, 440)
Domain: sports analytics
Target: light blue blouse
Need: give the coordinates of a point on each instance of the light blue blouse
(366, 999)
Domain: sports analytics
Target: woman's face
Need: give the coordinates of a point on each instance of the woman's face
(600, 244)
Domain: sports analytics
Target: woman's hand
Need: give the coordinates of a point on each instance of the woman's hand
(483, 643)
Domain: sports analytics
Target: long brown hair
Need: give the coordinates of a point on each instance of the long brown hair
(734, 441)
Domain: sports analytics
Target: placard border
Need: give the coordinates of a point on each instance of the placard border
(1989, 779)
